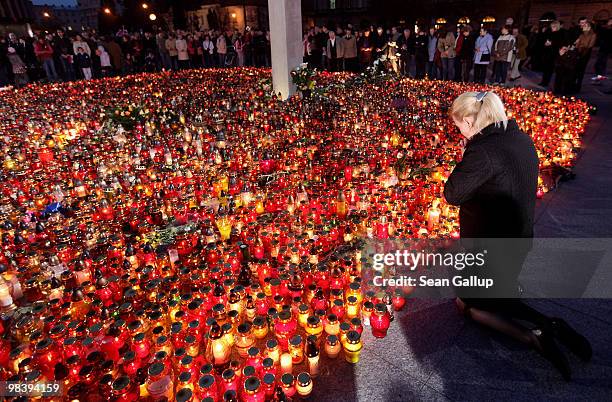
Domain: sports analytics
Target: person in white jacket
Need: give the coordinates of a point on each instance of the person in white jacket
(105, 63)
(183, 54)
(482, 55)
(79, 42)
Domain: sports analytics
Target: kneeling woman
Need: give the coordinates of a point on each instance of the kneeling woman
(495, 186)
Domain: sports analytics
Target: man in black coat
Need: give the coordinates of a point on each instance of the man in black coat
(405, 44)
(63, 53)
(554, 39)
(379, 41)
(604, 35)
(420, 53)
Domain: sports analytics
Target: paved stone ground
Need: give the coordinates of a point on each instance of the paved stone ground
(431, 353)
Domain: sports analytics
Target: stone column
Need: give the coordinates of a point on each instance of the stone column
(286, 42)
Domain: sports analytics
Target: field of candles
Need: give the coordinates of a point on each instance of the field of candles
(187, 235)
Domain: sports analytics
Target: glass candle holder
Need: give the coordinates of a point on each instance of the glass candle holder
(253, 392)
(352, 306)
(268, 366)
(125, 390)
(273, 350)
(332, 346)
(296, 349)
(314, 326)
(159, 382)
(304, 384)
(332, 325)
(229, 380)
(268, 383)
(218, 352)
(285, 328)
(313, 354)
(244, 339)
(254, 358)
(352, 347)
(288, 384)
(185, 395)
(207, 387)
(260, 327)
(304, 312)
(366, 312)
(399, 300)
(380, 321)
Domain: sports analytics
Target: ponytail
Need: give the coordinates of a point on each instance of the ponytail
(484, 107)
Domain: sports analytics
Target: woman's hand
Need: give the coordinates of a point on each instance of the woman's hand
(462, 144)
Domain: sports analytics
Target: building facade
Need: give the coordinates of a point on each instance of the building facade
(229, 15)
(15, 16)
(569, 11)
(15, 11)
(366, 12)
(362, 13)
(85, 14)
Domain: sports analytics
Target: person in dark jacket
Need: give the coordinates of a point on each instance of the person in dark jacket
(553, 41)
(405, 44)
(605, 48)
(466, 53)
(379, 41)
(62, 46)
(420, 53)
(83, 60)
(495, 186)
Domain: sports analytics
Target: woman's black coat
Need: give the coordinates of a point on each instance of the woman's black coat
(495, 184)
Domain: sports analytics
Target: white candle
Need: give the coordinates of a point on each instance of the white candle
(286, 363)
(433, 217)
(5, 294)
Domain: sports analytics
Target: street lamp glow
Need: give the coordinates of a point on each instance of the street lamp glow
(107, 10)
(46, 14)
(152, 17)
(145, 6)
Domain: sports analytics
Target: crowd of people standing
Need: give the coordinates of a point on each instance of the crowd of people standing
(462, 53)
(63, 56)
(459, 53)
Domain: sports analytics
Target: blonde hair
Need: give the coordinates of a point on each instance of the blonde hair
(555, 24)
(484, 107)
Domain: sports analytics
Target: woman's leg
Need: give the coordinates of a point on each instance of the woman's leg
(511, 308)
(496, 322)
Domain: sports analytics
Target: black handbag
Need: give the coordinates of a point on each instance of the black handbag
(486, 57)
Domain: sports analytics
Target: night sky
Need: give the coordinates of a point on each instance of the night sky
(55, 2)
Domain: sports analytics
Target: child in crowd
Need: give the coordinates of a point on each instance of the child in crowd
(84, 62)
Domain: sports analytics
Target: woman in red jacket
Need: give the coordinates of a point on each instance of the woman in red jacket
(44, 53)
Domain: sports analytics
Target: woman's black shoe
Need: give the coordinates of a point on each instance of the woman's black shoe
(569, 337)
(546, 345)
